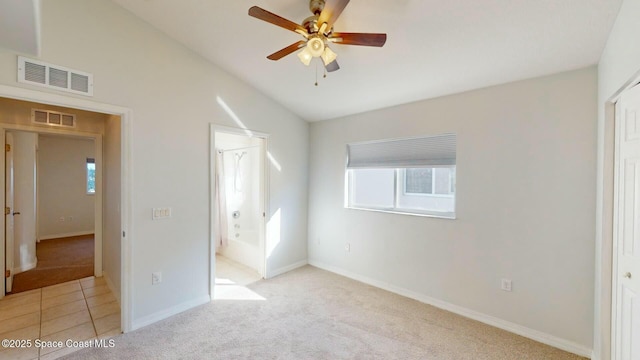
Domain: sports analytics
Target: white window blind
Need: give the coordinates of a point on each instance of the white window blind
(430, 151)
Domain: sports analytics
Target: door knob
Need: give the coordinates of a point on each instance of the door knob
(16, 213)
(627, 275)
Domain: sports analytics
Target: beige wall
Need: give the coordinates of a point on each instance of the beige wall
(526, 166)
(111, 236)
(64, 207)
(17, 112)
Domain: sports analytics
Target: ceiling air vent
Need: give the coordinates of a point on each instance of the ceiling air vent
(53, 118)
(54, 77)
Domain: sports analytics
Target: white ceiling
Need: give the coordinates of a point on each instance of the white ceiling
(433, 48)
(20, 26)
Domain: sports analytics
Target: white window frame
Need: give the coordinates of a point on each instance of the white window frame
(396, 209)
(402, 180)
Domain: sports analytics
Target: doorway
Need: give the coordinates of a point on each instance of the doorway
(50, 195)
(120, 221)
(238, 201)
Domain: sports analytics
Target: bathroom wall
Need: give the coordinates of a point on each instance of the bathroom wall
(242, 185)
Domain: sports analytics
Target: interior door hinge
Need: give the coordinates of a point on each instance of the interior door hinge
(7, 210)
(7, 273)
(7, 147)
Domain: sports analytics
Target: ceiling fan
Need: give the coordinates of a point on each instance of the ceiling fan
(317, 31)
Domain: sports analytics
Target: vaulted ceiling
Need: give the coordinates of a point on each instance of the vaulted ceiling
(20, 26)
(434, 48)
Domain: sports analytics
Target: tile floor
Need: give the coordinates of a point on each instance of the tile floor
(231, 278)
(79, 310)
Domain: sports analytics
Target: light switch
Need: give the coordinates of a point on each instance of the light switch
(161, 213)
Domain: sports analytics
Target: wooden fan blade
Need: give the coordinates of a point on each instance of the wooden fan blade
(332, 66)
(363, 39)
(286, 51)
(329, 15)
(274, 19)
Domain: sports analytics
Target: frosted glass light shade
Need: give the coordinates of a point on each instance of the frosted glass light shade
(328, 56)
(315, 46)
(305, 56)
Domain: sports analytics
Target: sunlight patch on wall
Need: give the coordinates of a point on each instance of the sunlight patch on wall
(233, 116)
(274, 162)
(273, 232)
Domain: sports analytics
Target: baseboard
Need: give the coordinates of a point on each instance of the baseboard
(24, 268)
(174, 310)
(64, 235)
(115, 291)
(536, 335)
(285, 269)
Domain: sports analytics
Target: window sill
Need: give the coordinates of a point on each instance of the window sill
(448, 216)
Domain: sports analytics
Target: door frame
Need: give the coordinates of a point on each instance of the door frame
(127, 225)
(617, 234)
(213, 129)
(9, 220)
(607, 243)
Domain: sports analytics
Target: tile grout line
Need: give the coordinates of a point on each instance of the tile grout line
(93, 323)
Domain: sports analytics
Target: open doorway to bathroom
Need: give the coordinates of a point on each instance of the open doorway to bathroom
(239, 208)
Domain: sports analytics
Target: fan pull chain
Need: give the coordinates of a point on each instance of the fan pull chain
(316, 73)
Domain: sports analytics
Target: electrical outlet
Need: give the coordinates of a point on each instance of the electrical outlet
(506, 285)
(70, 218)
(347, 247)
(156, 278)
(61, 219)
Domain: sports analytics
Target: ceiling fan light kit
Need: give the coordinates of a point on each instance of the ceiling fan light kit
(305, 56)
(317, 31)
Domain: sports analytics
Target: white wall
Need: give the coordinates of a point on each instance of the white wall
(111, 236)
(526, 165)
(173, 94)
(619, 63)
(24, 202)
(64, 207)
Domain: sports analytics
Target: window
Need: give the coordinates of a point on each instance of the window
(412, 176)
(91, 176)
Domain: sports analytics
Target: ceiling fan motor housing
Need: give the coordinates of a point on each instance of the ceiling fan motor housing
(316, 6)
(311, 24)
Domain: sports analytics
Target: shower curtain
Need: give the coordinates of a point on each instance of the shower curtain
(222, 237)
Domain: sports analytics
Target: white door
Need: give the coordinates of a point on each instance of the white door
(9, 212)
(626, 271)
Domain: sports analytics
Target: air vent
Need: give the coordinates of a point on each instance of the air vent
(53, 118)
(54, 77)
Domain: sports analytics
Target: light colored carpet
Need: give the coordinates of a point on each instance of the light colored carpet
(310, 313)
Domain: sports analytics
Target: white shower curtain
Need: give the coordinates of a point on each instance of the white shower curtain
(221, 224)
